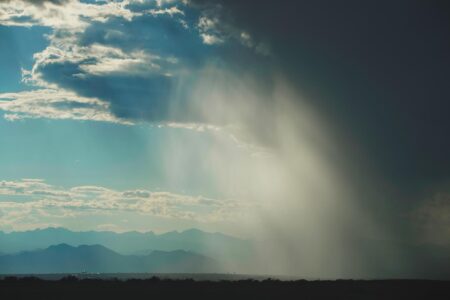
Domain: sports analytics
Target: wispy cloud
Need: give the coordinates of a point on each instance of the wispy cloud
(43, 200)
(210, 39)
(69, 20)
(97, 59)
(214, 29)
(167, 11)
(69, 14)
(55, 104)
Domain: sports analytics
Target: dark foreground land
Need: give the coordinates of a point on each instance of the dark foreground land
(155, 288)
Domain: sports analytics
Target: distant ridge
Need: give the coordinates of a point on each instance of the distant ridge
(125, 243)
(232, 251)
(64, 258)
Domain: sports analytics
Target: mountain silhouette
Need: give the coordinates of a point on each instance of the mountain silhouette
(232, 252)
(125, 243)
(64, 258)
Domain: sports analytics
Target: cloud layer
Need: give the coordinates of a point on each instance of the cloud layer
(28, 202)
(55, 104)
(141, 57)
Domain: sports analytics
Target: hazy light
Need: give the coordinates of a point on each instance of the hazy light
(273, 156)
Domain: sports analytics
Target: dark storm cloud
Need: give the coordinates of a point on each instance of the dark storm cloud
(378, 69)
(143, 97)
(179, 52)
(378, 72)
(162, 35)
(131, 97)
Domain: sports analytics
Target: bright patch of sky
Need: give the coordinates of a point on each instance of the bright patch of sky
(71, 153)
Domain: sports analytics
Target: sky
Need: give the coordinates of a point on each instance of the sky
(87, 90)
(290, 121)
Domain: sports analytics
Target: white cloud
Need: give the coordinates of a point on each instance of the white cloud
(75, 15)
(209, 29)
(113, 60)
(165, 2)
(210, 39)
(72, 14)
(192, 126)
(55, 104)
(166, 11)
(206, 23)
(45, 201)
(246, 39)
(94, 59)
(215, 29)
(68, 21)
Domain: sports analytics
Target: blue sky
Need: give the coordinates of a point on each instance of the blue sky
(17, 48)
(98, 95)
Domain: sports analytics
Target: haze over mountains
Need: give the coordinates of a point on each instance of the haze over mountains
(63, 258)
(196, 247)
(58, 250)
(125, 243)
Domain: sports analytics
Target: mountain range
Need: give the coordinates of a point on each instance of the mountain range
(125, 243)
(191, 251)
(230, 251)
(63, 258)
